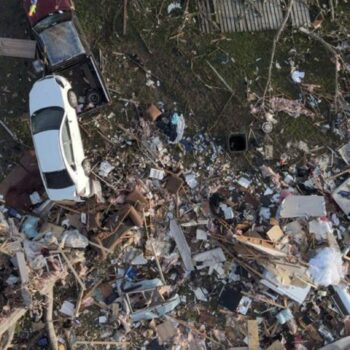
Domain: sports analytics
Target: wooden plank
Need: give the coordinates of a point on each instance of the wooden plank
(226, 15)
(268, 11)
(22, 267)
(182, 245)
(253, 335)
(275, 17)
(232, 16)
(11, 320)
(201, 15)
(218, 14)
(262, 17)
(266, 8)
(271, 14)
(279, 14)
(238, 25)
(250, 18)
(276, 345)
(210, 18)
(261, 245)
(17, 48)
(206, 11)
(235, 24)
(305, 13)
(295, 14)
(222, 15)
(245, 21)
(257, 15)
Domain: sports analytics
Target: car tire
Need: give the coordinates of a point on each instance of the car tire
(94, 97)
(86, 166)
(72, 98)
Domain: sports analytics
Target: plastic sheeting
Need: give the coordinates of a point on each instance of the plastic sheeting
(326, 268)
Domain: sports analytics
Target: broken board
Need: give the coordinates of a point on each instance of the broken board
(261, 245)
(17, 48)
(253, 335)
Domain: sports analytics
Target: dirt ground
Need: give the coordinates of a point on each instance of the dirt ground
(176, 55)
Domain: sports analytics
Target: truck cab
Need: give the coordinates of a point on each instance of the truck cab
(64, 50)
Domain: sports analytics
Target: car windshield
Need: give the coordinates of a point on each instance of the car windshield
(56, 180)
(51, 20)
(61, 42)
(47, 119)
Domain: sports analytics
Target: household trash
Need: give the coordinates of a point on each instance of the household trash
(30, 226)
(294, 108)
(67, 308)
(173, 125)
(327, 267)
(181, 243)
(157, 174)
(74, 239)
(297, 76)
(341, 196)
(105, 168)
(176, 5)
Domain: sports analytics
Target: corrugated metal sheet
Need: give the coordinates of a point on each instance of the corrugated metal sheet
(248, 15)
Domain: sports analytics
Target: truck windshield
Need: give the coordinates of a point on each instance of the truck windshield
(61, 42)
(57, 180)
(51, 20)
(47, 119)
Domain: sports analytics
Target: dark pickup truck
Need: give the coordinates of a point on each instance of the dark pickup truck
(64, 51)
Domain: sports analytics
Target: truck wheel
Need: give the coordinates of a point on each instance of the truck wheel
(72, 98)
(94, 97)
(86, 166)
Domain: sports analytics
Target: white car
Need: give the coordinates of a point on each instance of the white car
(57, 140)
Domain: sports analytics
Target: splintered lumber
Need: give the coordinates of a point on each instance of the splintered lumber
(70, 266)
(17, 48)
(78, 342)
(182, 245)
(49, 321)
(261, 244)
(23, 268)
(253, 335)
(277, 345)
(7, 323)
(125, 17)
(10, 336)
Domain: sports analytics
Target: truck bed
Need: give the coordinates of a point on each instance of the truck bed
(87, 85)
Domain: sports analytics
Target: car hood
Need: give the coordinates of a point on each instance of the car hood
(48, 151)
(45, 93)
(45, 7)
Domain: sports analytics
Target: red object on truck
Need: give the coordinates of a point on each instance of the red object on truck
(46, 7)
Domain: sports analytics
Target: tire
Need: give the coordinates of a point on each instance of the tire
(86, 166)
(72, 98)
(94, 97)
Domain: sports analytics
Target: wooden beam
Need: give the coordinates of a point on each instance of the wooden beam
(253, 335)
(11, 320)
(17, 48)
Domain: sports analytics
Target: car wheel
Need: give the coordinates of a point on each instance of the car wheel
(72, 98)
(86, 166)
(94, 97)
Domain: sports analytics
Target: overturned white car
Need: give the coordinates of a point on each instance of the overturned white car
(57, 139)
